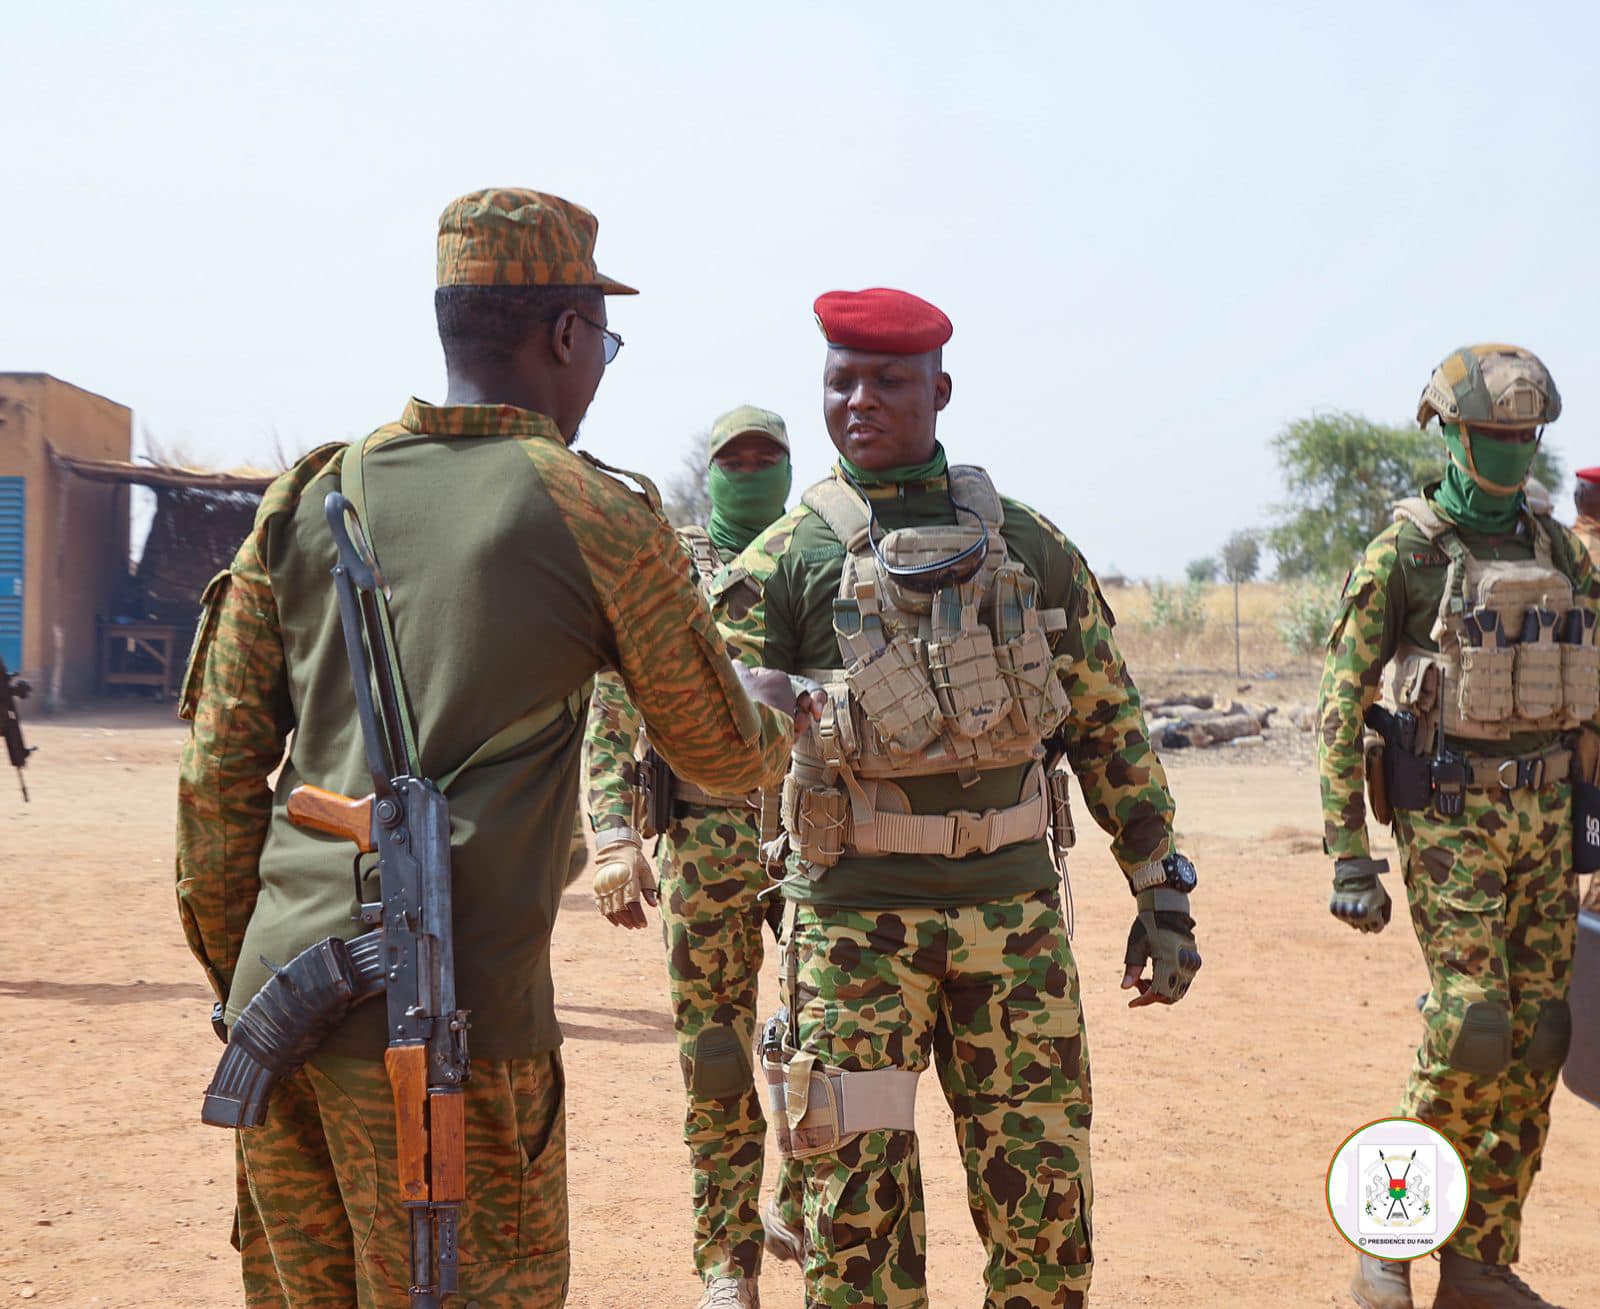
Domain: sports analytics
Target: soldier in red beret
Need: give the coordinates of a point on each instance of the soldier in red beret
(1586, 499)
(971, 666)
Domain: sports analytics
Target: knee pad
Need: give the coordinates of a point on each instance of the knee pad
(720, 1066)
(1552, 1035)
(1483, 1045)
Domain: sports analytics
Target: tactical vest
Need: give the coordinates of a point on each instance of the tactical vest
(957, 681)
(1507, 660)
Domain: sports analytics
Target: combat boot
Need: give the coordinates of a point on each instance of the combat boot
(782, 1241)
(731, 1293)
(1467, 1284)
(1381, 1283)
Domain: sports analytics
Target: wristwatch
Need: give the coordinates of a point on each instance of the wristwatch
(1181, 875)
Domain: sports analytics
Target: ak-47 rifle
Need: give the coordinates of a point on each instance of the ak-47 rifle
(12, 689)
(410, 955)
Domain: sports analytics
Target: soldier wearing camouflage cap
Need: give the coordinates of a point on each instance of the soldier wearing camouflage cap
(517, 569)
(711, 876)
(1483, 612)
(972, 669)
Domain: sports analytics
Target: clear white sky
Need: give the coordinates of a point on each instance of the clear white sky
(1161, 230)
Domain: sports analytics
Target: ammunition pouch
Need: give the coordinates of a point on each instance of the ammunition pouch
(818, 1108)
(286, 1021)
(1058, 793)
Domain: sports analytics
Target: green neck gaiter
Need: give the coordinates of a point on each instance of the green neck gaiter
(1504, 462)
(743, 505)
(934, 467)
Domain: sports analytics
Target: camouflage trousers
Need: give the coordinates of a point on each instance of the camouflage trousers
(989, 994)
(320, 1225)
(1494, 902)
(710, 876)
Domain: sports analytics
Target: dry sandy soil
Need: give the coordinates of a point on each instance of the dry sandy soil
(1214, 1125)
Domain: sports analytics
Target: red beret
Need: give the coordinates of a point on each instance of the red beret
(882, 321)
(1590, 475)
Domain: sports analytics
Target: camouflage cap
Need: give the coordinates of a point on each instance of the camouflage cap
(747, 418)
(1491, 386)
(505, 236)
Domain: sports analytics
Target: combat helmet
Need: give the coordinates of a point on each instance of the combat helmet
(1491, 386)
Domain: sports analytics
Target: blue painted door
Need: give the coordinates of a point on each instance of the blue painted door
(12, 536)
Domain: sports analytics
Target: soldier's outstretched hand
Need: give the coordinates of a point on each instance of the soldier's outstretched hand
(623, 878)
(1358, 896)
(799, 696)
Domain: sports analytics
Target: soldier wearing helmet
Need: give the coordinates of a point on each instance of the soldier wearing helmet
(1482, 609)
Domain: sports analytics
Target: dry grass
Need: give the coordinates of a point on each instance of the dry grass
(1211, 648)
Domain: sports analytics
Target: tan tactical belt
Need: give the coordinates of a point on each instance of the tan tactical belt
(1519, 772)
(960, 833)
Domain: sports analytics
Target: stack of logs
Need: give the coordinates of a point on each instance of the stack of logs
(1199, 721)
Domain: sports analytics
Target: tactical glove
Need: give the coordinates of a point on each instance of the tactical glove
(1163, 933)
(622, 877)
(1358, 896)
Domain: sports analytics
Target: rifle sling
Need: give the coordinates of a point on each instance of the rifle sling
(508, 739)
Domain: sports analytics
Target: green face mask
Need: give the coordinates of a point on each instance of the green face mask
(1482, 485)
(743, 505)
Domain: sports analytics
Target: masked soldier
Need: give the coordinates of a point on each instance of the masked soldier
(516, 569)
(968, 654)
(711, 877)
(1484, 613)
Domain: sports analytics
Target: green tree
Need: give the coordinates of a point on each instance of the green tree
(1343, 473)
(1201, 570)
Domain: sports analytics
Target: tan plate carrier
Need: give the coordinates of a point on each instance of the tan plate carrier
(1504, 685)
(959, 681)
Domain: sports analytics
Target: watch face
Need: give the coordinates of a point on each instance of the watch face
(1180, 873)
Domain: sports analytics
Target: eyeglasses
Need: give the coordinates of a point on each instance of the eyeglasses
(613, 341)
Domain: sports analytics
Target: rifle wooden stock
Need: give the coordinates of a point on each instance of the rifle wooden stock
(407, 1066)
(333, 814)
(447, 1142)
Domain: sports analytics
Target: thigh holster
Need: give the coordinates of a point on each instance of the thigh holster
(817, 1108)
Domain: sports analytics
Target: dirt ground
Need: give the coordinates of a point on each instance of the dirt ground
(1214, 1121)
